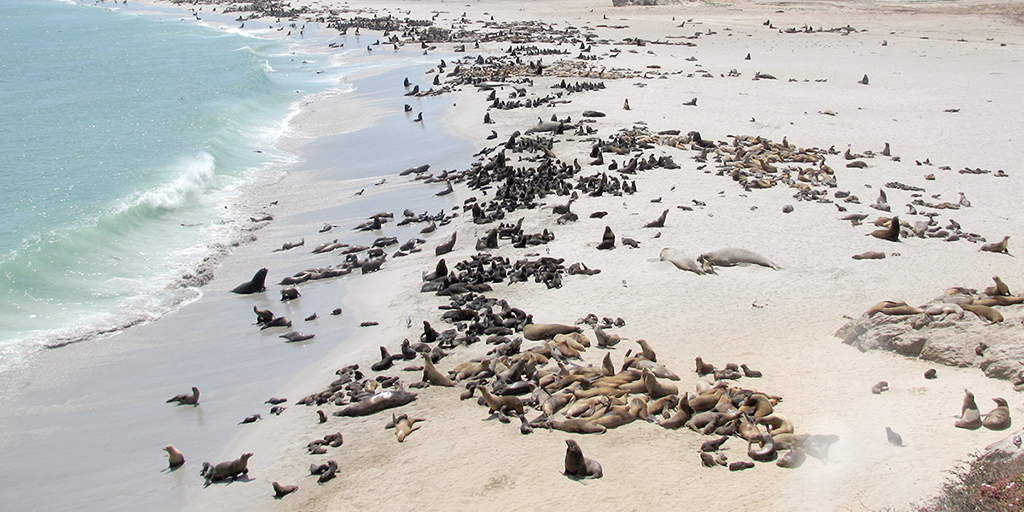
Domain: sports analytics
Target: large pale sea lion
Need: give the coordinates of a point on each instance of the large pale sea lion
(732, 256)
(681, 261)
(378, 402)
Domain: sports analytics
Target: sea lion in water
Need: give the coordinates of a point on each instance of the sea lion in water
(732, 256)
(263, 315)
(293, 336)
(681, 261)
(255, 285)
(225, 470)
(970, 417)
(377, 403)
(998, 418)
(536, 332)
(186, 399)
(578, 466)
(174, 457)
(281, 491)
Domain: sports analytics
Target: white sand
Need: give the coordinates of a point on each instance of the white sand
(778, 322)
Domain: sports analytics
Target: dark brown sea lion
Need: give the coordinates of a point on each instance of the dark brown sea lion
(226, 470)
(578, 466)
(892, 233)
(255, 285)
(445, 247)
(186, 399)
(289, 294)
(377, 403)
(659, 222)
(263, 315)
(607, 239)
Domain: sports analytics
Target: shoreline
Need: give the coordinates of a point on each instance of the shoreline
(779, 322)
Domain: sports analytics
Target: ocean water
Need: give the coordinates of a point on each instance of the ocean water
(124, 137)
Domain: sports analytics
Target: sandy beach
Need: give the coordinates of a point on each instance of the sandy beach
(942, 93)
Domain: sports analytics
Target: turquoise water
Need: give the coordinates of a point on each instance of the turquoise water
(122, 139)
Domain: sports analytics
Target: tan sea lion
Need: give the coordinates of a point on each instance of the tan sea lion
(682, 262)
(431, 375)
(881, 386)
(174, 457)
(984, 312)
(999, 289)
(578, 466)
(998, 418)
(999, 300)
(545, 331)
(648, 352)
(506, 404)
(704, 368)
(604, 339)
(997, 246)
(281, 491)
(658, 389)
(403, 426)
(575, 426)
(792, 459)
(777, 424)
(970, 417)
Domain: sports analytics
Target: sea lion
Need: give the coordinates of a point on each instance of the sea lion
(869, 255)
(226, 470)
(578, 466)
(931, 374)
(997, 246)
(747, 372)
(574, 426)
(658, 389)
(186, 399)
(502, 403)
(704, 368)
(792, 459)
(281, 321)
(648, 352)
(777, 424)
(255, 285)
(681, 261)
(252, 418)
(377, 403)
(403, 426)
(607, 239)
(536, 332)
(766, 448)
(879, 387)
(999, 289)
(659, 222)
(817, 445)
(288, 294)
(294, 336)
(332, 469)
(709, 460)
(970, 417)
(713, 446)
(999, 300)
(431, 375)
(174, 457)
(263, 315)
(291, 245)
(732, 256)
(281, 491)
(604, 339)
(998, 418)
(894, 438)
(984, 312)
(891, 233)
(445, 247)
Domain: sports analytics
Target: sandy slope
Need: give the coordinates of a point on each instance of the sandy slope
(780, 322)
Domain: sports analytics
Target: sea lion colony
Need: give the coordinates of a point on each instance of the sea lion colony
(569, 393)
